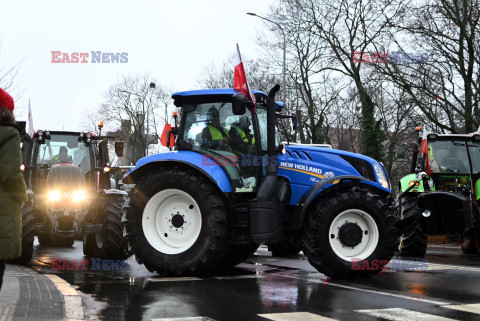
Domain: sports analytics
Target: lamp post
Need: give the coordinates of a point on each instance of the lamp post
(284, 84)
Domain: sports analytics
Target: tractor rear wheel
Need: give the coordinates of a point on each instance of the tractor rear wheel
(350, 232)
(413, 241)
(177, 222)
(28, 234)
(288, 246)
(109, 243)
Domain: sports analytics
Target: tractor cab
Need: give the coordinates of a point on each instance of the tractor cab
(455, 163)
(226, 135)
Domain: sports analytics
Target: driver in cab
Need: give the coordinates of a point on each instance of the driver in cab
(63, 156)
(214, 136)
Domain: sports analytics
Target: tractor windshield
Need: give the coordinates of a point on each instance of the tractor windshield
(450, 156)
(63, 148)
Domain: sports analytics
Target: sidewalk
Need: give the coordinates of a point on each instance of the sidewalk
(29, 296)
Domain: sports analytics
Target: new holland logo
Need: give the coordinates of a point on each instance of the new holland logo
(310, 170)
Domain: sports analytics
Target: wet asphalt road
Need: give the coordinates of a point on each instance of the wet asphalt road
(444, 287)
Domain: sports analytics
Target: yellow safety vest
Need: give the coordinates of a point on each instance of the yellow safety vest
(244, 136)
(216, 134)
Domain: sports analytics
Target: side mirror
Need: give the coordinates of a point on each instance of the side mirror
(294, 122)
(119, 148)
(239, 104)
(401, 152)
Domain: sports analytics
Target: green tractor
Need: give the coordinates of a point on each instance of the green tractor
(440, 196)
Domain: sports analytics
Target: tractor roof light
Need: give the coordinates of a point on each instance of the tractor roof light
(100, 124)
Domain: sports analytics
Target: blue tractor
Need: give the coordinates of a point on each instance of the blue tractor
(229, 185)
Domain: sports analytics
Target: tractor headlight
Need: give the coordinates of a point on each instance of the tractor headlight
(54, 196)
(79, 196)
(382, 179)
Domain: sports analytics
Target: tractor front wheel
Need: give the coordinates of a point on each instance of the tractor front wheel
(177, 222)
(414, 241)
(350, 232)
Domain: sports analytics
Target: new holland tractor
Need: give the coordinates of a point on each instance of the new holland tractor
(70, 193)
(441, 194)
(229, 185)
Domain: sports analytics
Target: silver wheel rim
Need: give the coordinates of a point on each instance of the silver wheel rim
(171, 221)
(370, 235)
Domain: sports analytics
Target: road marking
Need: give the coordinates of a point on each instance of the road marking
(399, 314)
(74, 308)
(184, 319)
(6, 313)
(435, 266)
(472, 308)
(407, 297)
(186, 278)
(295, 316)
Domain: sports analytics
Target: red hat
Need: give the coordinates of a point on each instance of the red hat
(6, 101)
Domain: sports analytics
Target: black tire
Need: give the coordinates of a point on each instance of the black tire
(287, 247)
(413, 242)
(236, 254)
(335, 202)
(64, 241)
(470, 246)
(45, 239)
(28, 234)
(109, 244)
(213, 240)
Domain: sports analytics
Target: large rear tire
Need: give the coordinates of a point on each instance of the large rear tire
(238, 253)
(109, 243)
(287, 247)
(413, 241)
(177, 222)
(28, 234)
(350, 232)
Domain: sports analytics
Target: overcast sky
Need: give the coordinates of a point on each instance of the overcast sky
(172, 40)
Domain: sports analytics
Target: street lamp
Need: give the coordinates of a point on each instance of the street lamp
(284, 84)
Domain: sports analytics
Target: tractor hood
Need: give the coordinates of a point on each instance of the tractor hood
(305, 165)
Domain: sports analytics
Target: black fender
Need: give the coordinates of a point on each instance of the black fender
(310, 195)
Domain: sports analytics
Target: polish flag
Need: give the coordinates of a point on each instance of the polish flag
(31, 131)
(240, 83)
(424, 151)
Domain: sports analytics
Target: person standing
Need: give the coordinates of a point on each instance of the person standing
(12, 186)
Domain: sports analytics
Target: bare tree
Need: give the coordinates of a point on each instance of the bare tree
(136, 110)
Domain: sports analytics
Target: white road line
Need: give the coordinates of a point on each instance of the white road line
(6, 313)
(407, 297)
(398, 314)
(74, 308)
(295, 316)
(187, 278)
(184, 319)
(472, 308)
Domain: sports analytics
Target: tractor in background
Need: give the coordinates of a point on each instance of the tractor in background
(229, 184)
(441, 194)
(71, 193)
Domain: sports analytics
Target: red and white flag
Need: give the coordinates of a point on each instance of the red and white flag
(424, 150)
(31, 130)
(240, 83)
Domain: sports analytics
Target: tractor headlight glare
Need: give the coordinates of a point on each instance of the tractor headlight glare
(79, 196)
(54, 196)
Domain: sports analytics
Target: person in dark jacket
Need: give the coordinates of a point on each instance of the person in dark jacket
(12, 186)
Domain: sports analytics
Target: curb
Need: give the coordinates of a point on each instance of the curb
(74, 308)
